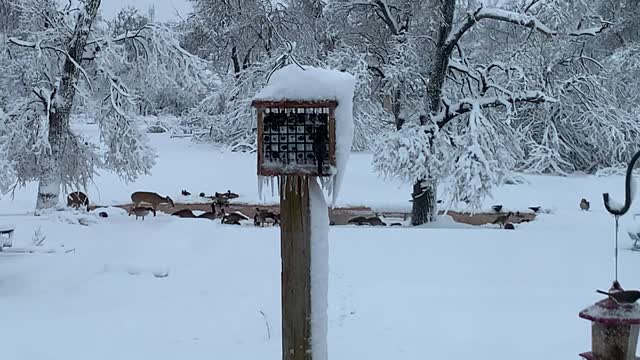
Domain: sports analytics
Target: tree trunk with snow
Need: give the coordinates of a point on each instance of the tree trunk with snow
(424, 191)
(424, 202)
(59, 108)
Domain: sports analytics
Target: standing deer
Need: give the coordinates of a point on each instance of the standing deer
(150, 198)
(265, 217)
(77, 199)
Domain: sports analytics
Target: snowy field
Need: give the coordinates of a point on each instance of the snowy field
(170, 288)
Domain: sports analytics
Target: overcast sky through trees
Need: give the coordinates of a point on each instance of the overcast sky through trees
(165, 9)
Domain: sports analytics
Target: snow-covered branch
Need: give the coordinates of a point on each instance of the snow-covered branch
(525, 20)
(593, 30)
(450, 111)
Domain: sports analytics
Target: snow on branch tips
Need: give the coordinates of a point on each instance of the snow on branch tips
(407, 154)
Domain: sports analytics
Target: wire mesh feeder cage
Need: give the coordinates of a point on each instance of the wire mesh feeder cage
(6, 236)
(296, 138)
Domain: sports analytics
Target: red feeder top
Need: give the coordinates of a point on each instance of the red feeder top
(608, 312)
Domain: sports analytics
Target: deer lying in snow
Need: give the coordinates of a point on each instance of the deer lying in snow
(77, 199)
(149, 198)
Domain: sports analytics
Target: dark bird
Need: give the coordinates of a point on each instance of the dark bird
(584, 205)
(228, 195)
(375, 221)
(503, 219)
(497, 208)
(535, 209)
(185, 193)
(623, 297)
(184, 213)
(211, 215)
(219, 200)
(509, 226)
(202, 195)
(234, 218)
(103, 214)
(320, 142)
(359, 220)
(77, 199)
(396, 224)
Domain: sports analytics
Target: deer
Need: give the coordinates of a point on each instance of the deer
(150, 198)
(265, 216)
(139, 211)
(503, 219)
(77, 199)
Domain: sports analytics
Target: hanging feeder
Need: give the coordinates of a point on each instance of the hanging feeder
(615, 324)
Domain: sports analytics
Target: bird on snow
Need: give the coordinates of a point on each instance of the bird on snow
(622, 297)
(584, 204)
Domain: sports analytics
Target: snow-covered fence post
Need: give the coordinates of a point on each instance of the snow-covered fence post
(305, 131)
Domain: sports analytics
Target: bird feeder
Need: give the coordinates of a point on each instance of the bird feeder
(615, 324)
(6, 236)
(614, 330)
(305, 131)
(296, 137)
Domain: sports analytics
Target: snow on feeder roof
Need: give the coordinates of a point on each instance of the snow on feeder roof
(292, 83)
(288, 142)
(608, 312)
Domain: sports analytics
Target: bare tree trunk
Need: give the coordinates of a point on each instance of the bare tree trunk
(424, 191)
(61, 102)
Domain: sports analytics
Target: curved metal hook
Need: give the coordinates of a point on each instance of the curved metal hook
(627, 190)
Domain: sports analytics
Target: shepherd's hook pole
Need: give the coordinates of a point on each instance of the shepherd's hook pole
(625, 207)
(616, 251)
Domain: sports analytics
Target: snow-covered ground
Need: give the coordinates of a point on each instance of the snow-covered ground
(447, 292)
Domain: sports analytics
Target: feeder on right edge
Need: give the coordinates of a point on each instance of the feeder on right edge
(614, 329)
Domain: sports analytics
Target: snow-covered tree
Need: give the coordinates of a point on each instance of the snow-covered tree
(64, 55)
(244, 40)
(458, 94)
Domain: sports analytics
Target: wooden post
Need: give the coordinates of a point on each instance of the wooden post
(295, 251)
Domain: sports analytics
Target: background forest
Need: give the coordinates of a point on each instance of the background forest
(466, 94)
